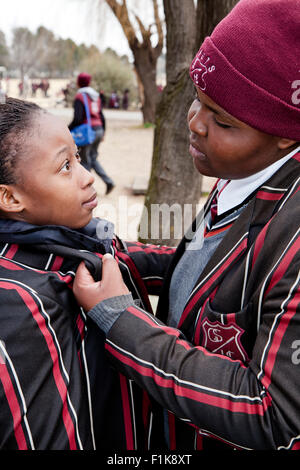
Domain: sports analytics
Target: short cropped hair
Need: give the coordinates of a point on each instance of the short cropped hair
(16, 117)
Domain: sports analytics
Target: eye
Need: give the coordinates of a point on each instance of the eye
(220, 124)
(66, 166)
(77, 156)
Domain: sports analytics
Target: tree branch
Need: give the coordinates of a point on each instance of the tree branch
(120, 10)
(121, 13)
(158, 24)
(146, 33)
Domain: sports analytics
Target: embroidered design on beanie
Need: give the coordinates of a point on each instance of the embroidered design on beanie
(199, 69)
(296, 93)
(251, 82)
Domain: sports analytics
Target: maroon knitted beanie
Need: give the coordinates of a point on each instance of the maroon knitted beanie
(83, 79)
(250, 65)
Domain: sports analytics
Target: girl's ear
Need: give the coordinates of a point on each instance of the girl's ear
(284, 144)
(10, 200)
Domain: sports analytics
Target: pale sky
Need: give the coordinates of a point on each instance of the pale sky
(66, 18)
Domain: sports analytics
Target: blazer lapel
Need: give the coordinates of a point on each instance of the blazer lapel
(262, 206)
(230, 249)
(163, 303)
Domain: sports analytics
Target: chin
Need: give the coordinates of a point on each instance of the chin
(79, 224)
(202, 169)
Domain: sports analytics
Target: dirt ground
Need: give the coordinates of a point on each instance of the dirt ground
(125, 154)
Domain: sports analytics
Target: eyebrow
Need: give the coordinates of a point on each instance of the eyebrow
(61, 151)
(219, 112)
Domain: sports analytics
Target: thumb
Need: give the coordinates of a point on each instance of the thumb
(110, 269)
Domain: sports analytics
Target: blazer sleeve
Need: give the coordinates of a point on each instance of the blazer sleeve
(222, 397)
(253, 405)
(150, 262)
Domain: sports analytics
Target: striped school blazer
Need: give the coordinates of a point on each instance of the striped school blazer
(230, 374)
(58, 391)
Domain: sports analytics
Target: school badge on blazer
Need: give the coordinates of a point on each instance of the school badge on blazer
(223, 339)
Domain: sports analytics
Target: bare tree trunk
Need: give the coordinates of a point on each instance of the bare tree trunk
(171, 162)
(145, 55)
(175, 185)
(145, 64)
(209, 14)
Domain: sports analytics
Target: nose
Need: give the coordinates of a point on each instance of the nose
(197, 119)
(86, 177)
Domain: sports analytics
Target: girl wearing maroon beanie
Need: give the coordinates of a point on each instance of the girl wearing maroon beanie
(222, 354)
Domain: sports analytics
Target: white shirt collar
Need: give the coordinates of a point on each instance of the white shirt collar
(236, 191)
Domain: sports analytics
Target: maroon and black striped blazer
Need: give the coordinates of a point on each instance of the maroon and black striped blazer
(232, 369)
(58, 391)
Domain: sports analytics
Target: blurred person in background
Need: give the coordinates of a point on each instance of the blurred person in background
(89, 153)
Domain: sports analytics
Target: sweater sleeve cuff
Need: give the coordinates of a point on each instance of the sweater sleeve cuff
(107, 312)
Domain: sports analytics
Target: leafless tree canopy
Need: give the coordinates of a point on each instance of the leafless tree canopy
(41, 53)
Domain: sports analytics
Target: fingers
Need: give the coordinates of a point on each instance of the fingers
(88, 293)
(85, 289)
(83, 276)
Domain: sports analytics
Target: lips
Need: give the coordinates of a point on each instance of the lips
(195, 149)
(195, 152)
(91, 202)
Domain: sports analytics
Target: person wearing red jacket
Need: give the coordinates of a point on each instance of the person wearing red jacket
(89, 153)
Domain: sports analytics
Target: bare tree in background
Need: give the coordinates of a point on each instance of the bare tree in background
(23, 50)
(4, 52)
(174, 181)
(144, 53)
